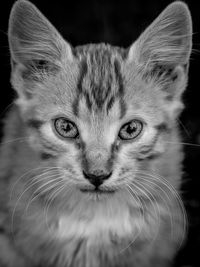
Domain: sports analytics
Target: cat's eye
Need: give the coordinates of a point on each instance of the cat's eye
(65, 128)
(131, 130)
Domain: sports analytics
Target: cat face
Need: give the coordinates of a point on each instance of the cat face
(86, 133)
(99, 113)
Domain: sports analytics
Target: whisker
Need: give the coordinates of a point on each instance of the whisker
(36, 193)
(39, 179)
(23, 175)
(154, 204)
(49, 202)
(9, 105)
(19, 139)
(18, 200)
(183, 126)
(134, 195)
(50, 178)
(146, 182)
(139, 227)
(182, 143)
(42, 177)
(160, 179)
(15, 207)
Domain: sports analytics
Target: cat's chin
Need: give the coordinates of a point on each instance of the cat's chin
(97, 191)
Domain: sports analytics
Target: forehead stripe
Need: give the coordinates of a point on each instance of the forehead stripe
(100, 80)
(83, 71)
(119, 78)
(121, 88)
(82, 74)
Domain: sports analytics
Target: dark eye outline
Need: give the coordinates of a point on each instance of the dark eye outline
(138, 131)
(73, 125)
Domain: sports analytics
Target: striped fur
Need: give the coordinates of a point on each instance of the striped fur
(100, 79)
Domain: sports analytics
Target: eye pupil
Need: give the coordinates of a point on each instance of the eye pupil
(130, 130)
(65, 128)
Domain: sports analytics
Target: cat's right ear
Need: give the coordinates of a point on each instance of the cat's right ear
(162, 52)
(33, 40)
(167, 41)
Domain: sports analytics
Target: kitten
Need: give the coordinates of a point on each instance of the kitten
(91, 156)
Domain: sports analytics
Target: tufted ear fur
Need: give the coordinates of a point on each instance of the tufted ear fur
(35, 44)
(163, 49)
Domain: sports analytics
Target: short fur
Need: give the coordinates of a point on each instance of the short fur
(46, 216)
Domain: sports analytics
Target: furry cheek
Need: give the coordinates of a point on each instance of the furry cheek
(69, 161)
(124, 164)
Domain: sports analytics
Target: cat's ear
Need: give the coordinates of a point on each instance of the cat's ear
(33, 40)
(165, 46)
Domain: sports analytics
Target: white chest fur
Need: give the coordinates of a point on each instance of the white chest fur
(97, 221)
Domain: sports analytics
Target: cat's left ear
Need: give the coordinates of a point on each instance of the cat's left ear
(33, 39)
(164, 48)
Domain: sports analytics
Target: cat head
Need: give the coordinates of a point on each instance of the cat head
(99, 112)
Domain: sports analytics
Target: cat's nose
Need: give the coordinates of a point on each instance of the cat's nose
(97, 178)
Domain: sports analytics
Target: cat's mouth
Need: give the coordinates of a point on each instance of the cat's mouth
(98, 190)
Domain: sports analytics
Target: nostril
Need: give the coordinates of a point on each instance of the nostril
(102, 176)
(96, 180)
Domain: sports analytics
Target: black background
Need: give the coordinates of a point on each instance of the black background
(120, 23)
